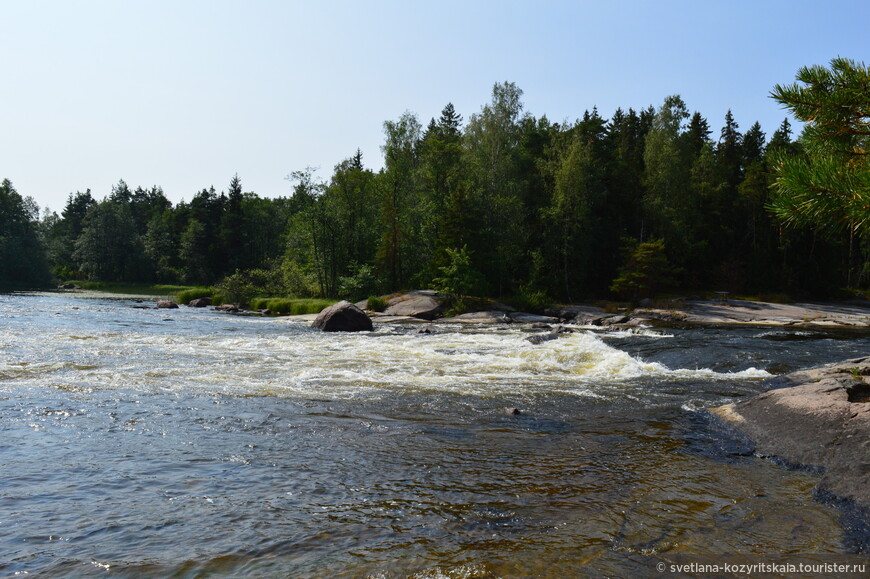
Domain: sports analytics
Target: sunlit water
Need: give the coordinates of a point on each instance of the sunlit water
(144, 442)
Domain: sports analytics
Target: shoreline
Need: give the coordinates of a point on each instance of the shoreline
(850, 315)
(812, 315)
(817, 418)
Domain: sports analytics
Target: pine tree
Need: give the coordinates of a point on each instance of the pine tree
(827, 187)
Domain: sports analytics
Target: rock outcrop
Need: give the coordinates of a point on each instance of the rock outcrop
(343, 317)
(479, 318)
(419, 304)
(819, 418)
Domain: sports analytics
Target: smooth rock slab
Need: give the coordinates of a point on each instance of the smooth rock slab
(416, 306)
(821, 419)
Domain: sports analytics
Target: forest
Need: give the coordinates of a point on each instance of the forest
(501, 204)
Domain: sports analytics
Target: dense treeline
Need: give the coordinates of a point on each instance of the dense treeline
(505, 204)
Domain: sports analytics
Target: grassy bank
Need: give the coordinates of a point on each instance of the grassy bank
(146, 289)
(292, 306)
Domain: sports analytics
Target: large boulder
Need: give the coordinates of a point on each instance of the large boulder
(343, 317)
(425, 307)
(199, 302)
(818, 417)
(166, 304)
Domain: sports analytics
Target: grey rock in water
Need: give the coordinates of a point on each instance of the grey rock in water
(587, 319)
(199, 303)
(527, 318)
(554, 334)
(343, 317)
(229, 308)
(166, 305)
(613, 320)
(541, 338)
(511, 411)
(818, 417)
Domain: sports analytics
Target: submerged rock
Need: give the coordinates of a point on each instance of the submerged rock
(551, 335)
(817, 418)
(343, 317)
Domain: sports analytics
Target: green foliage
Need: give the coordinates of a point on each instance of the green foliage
(298, 279)
(361, 283)
(645, 272)
(22, 256)
(827, 186)
(131, 288)
(458, 277)
(186, 296)
(291, 306)
(507, 205)
(237, 288)
(376, 304)
(529, 300)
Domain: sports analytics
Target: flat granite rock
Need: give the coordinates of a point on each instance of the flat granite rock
(424, 307)
(479, 318)
(819, 418)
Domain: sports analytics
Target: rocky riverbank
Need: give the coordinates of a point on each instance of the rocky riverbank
(428, 306)
(855, 314)
(819, 418)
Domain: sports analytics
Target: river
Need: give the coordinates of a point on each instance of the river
(142, 442)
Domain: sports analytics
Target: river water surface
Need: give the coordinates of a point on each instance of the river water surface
(143, 442)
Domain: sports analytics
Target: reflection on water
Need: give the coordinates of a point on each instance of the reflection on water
(192, 443)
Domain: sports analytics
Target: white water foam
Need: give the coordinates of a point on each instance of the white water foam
(249, 356)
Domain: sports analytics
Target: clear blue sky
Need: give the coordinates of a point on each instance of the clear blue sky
(184, 94)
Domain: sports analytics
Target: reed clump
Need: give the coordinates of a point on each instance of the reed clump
(291, 306)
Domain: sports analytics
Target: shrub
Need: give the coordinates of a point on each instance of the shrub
(458, 277)
(376, 304)
(361, 283)
(237, 288)
(645, 272)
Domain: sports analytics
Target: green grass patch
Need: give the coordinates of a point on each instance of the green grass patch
(129, 288)
(291, 306)
(376, 304)
(192, 293)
